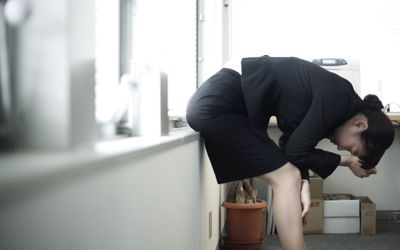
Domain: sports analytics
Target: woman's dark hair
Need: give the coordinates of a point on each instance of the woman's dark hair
(380, 132)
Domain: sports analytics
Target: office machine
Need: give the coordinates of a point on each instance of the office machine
(346, 68)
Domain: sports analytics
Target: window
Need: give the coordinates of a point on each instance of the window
(367, 31)
(164, 35)
(107, 73)
(132, 35)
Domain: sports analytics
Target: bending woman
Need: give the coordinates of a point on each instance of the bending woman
(232, 109)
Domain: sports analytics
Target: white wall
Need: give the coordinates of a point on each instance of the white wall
(152, 202)
(211, 206)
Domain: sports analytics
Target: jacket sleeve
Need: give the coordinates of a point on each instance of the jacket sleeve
(328, 110)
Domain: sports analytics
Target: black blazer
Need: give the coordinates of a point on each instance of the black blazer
(308, 101)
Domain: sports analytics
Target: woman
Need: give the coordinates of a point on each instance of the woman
(232, 109)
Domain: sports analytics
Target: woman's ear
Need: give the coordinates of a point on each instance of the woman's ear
(361, 124)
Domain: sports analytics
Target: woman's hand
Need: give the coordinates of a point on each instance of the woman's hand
(305, 200)
(354, 163)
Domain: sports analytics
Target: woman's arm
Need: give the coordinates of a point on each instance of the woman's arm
(330, 107)
(305, 200)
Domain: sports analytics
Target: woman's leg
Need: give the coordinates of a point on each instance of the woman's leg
(286, 183)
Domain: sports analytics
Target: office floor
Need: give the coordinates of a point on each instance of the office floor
(387, 238)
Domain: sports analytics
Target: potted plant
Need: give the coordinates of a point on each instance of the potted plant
(245, 216)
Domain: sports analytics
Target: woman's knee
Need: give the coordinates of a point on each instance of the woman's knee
(290, 179)
(286, 176)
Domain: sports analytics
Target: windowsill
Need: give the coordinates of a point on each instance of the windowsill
(135, 146)
(24, 169)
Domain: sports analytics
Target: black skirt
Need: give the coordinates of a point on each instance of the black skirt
(218, 111)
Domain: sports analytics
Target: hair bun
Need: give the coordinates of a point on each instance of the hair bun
(372, 102)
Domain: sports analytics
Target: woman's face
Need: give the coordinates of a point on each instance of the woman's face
(348, 137)
(351, 143)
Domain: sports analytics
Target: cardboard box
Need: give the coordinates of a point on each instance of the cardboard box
(368, 216)
(316, 187)
(341, 213)
(315, 217)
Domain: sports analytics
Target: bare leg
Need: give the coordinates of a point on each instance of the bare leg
(286, 184)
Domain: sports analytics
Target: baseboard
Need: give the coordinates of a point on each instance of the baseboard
(384, 214)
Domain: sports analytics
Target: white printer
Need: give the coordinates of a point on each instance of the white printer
(348, 69)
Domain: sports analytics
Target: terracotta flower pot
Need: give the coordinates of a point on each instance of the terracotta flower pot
(245, 221)
(227, 244)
